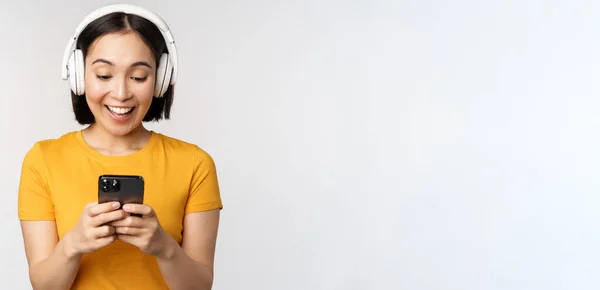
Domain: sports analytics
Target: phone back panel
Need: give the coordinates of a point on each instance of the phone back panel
(122, 188)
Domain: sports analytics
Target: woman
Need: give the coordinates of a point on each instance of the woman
(122, 74)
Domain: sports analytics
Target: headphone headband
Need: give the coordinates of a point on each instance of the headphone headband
(129, 9)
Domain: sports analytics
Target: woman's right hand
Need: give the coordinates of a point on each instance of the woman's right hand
(92, 231)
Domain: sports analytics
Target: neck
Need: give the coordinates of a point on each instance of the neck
(103, 141)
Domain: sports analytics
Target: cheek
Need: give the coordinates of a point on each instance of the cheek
(145, 102)
(94, 97)
(144, 93)
(94, 90)
(147, 89)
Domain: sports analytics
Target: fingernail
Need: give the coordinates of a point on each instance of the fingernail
(115, 205)
(126, 207)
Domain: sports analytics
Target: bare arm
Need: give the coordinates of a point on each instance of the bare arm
(51, 265)
(54, 264)
(190, 266)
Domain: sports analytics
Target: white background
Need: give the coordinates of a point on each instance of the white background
(360, 144)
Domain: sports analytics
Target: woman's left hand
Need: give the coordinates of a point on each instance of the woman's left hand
(143, 232)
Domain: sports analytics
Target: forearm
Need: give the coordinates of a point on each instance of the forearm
(57, 271)
(182, 272)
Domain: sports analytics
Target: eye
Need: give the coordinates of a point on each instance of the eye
(102, 77)
(139, 79)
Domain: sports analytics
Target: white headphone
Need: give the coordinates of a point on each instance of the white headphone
(73, 65)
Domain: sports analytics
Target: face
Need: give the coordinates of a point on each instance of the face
(119, 81)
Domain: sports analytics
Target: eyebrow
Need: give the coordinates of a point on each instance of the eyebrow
(137, 63)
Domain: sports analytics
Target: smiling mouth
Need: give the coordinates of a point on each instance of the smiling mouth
(120, 111)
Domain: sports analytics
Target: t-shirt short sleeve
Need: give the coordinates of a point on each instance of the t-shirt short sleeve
(204, 190)
(34, 201)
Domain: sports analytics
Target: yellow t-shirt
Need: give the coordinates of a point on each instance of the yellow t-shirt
(60, 176)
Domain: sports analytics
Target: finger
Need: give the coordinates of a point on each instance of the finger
(129, 231)
(108, 217)
(127, 238)
(105, 241)
(130, 221)
(102, 208)
(135, 208)
(103, 231)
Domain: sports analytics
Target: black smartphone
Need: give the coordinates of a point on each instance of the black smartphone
(121, 188)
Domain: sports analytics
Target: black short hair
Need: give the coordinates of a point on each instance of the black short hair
(121, 22)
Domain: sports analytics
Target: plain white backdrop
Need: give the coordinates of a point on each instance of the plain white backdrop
(422, 145)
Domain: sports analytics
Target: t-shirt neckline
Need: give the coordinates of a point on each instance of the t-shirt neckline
(116, 158)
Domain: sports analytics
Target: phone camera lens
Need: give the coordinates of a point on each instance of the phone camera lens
(110, 185)
(115, 185)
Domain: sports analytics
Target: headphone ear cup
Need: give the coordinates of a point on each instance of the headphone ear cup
(163, 75)
(76, 72)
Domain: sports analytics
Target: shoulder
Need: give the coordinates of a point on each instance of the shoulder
(42, 147)
(184, 149)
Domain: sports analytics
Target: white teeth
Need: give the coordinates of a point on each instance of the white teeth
(119, 110)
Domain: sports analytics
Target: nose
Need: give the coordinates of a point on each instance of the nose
(121, 90)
